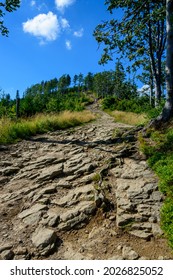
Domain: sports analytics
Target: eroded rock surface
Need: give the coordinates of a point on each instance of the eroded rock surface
(83, 193)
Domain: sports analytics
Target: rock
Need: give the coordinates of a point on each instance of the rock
(21, 251)
(64, 183)
(3, 148)
(47, 190)
(87, 179)
(128, 253)
(48, 159)
(99, 198)
(5, 163)
(34, 209)
(76, 195)
(123, 218)
(7, 255)
(156, 196)
(112, 218)
(86, 168)
(141, 234)
(77, 215)
(5, 247)
(33, 218)
(51, 218)
(44, 240)
(156, 230)
(3, 179)
(95, 232)
(50, 173)
(142, 226)
(10, 170)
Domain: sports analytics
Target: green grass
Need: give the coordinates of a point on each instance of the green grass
(129, 117)
(12, 131)
(159, 149)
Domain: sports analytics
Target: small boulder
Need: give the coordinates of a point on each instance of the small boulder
(44, 240)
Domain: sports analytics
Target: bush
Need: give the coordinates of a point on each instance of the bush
(167, 219)
(160, 159)
(110, 103)
(136, 105)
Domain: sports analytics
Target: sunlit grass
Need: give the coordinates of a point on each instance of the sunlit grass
(12, 131)
(129, 117)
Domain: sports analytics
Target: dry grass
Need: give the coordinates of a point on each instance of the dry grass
(11, 131)
(129, 117)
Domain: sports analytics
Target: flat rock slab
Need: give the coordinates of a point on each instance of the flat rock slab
(76, 195)
(76, 215)
(141, 234)
(44, 240)
(34, 209)
(9, 170)
(51, 172)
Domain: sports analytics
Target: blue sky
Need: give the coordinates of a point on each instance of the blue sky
(49, 38)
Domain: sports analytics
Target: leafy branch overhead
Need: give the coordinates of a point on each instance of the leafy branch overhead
(139, 34)
(7, 6)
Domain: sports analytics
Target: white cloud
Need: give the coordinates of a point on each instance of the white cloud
(64, 23)
(62, 4)
(33, 3)
(68, 45)
(44, 26)
(145, 89)
(79, 33)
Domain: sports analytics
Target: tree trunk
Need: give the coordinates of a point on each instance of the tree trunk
(167, 112)
(158, 91)
(154, 63)
(151, 89)
(17, 104)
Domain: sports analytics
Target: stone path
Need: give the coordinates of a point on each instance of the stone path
(83, 193)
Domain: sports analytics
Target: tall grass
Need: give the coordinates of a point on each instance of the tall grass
(12, 131)
(129, 117)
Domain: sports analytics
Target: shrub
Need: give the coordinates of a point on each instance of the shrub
(160, 159)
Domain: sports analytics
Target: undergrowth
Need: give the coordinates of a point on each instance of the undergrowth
(12, 131)
(158, 147)
(128, 117)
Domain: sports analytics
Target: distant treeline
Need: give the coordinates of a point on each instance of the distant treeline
(66, 93)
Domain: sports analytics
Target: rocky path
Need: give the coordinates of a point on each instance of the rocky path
(83, 193)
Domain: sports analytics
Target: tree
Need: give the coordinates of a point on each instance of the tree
(75, 79)
(103, 83)
(4, 103)
(89, 79)
(17, 104)
(119, 78)
(167, 111)
(63, 83)
(7, 6)
(80, 81)
(140, 35)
